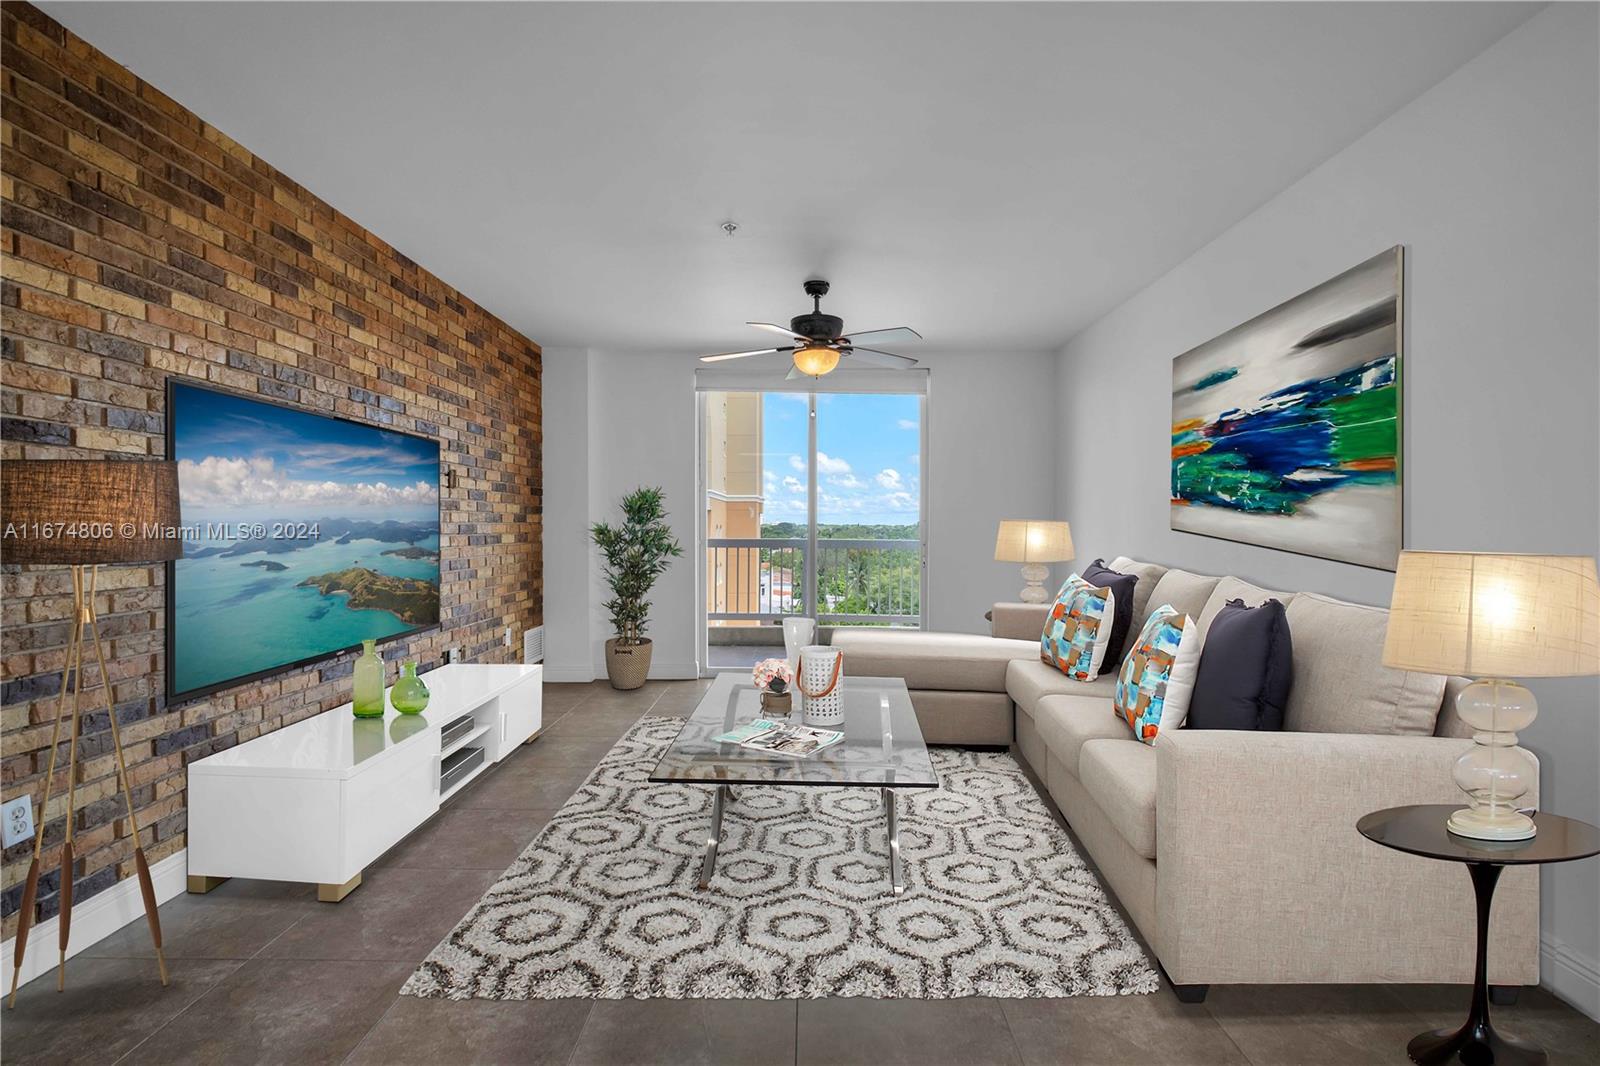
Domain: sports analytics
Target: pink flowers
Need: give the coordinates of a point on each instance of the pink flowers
(767, 670)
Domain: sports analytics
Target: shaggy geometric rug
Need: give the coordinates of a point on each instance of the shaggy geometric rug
(604, 905)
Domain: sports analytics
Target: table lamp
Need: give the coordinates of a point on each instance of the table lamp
(1493, 617)
(1033, 543)
(82, 513)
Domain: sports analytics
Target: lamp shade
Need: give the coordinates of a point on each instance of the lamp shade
(1027, 540)
(85, 511)
(1494, 615)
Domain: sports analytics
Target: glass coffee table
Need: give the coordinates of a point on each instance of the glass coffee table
(882, 749)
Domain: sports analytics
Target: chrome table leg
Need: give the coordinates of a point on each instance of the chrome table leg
(714, 837)
(896, 874)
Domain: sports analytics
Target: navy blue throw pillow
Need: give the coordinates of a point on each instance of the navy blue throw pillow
(1121, 586)
(1246, 669)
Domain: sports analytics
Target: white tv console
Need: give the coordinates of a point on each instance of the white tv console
(319, 800)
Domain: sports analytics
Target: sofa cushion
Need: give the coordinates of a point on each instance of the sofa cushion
(1231, 588)
(1028, 681)
(1450, 722)
(1122, 779)
(962, 662)
(1157, 677)
(1067, 723)
(1078, 633)
(1122, 588)
(1340, 682)
(1148, 574)
(1184, 591)
(1246, 669)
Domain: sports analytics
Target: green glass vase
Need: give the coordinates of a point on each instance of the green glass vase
(367, 697)
(409, 695)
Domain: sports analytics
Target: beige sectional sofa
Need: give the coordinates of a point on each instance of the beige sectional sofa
(1235, 853)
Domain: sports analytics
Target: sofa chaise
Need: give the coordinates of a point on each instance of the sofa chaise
(1235, 853)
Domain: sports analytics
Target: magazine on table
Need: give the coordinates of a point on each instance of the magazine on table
(781, 738)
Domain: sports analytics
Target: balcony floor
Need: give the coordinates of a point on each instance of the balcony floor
(740, 656)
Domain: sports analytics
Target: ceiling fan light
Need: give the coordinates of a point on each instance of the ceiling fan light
(816, 360)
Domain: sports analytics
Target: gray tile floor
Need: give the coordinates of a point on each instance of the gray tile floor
(264, 973)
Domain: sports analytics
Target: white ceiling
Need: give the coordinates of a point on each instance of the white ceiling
(996, 175)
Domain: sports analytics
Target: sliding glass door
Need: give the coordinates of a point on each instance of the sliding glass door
(813, 507)
(867, 532)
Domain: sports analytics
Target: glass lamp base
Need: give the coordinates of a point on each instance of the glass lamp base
(1495, 773)
(1034, 591)
(1487, 825)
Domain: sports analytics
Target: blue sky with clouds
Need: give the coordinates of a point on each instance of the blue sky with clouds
(868, 464)
(246, 460)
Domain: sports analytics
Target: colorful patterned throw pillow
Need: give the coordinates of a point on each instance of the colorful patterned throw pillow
(1157, 677)
(1078, 631)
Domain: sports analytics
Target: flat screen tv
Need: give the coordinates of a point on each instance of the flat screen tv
(304, 535)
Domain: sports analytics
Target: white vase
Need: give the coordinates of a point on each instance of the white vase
(797, 633)
(821, 685)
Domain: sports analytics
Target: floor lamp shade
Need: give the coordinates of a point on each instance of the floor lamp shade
(1494, 616)
(1033, 543)
(87, 511)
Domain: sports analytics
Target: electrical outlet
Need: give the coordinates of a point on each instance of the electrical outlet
(508, 636)
(16, 821)
(452, 655)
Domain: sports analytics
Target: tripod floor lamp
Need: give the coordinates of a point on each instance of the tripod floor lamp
(84, 513)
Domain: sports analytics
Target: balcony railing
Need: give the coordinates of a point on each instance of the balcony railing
(857, 582)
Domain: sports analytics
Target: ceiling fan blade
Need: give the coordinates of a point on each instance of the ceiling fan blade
(794, 372)
(884, 336)
(877, 358)
(742, 355)
(773, 327)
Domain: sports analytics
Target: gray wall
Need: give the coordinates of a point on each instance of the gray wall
(617, 420)
(1490, 181)
(566, 509)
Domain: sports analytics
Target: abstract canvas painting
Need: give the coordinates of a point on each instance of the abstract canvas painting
(304, 535)
(1286, 429)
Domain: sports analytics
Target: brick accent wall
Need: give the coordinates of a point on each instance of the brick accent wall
(141, 243)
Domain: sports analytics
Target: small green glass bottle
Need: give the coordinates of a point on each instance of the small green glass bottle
(409, 695)
(367, 697)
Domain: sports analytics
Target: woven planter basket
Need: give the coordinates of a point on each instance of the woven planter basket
(627, 665)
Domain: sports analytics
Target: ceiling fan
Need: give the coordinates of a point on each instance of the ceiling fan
(820, 341)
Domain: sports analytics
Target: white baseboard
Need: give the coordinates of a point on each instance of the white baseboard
(567, 675)
(576, 673)
(659, 671)
(96, 918)
(1570, 975)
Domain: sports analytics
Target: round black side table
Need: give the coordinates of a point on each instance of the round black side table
(1420, 830)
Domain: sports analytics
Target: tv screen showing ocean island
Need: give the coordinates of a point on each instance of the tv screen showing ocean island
(303, 535)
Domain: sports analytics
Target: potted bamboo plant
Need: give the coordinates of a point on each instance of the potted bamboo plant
(637, 552)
